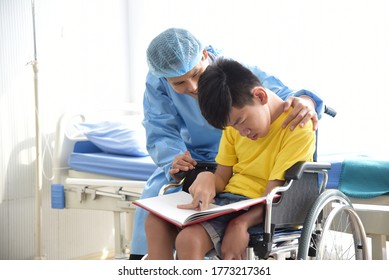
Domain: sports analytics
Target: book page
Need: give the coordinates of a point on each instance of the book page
(225, 209)
(165, 206)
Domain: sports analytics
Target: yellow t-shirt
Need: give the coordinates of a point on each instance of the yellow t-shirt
(256, 162)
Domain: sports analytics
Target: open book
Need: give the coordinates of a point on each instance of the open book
(165, 207)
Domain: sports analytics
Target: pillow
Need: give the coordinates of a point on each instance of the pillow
(117, 137)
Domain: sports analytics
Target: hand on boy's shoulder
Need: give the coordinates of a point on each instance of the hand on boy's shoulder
(303, 110)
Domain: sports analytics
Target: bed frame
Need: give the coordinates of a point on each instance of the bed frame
(373, 212)
(73, 189)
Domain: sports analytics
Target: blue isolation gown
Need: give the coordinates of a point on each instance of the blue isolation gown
(174, 124)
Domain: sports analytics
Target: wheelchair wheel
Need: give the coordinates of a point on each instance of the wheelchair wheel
(332, 230)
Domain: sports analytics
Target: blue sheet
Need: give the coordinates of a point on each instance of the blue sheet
(358, 176)
(364, 177)
(88, 158)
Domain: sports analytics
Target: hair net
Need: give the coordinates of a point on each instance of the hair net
(173, 53)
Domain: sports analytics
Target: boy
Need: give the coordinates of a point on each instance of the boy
(177, 134)
(253, 154)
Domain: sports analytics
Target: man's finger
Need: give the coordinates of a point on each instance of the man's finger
(315, 121)
(290, 119)
(288, 103)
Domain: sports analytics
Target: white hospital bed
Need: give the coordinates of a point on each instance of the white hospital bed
(86, 177)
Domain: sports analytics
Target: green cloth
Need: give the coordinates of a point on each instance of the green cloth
(364, 177)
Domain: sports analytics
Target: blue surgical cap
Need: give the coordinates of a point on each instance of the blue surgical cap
(173, 53)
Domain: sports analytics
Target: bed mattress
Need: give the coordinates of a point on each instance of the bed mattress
(134, 168)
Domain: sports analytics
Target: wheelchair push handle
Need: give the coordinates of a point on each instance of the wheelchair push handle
(329, 111)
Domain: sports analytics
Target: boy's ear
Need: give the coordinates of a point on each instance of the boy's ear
(261, 94)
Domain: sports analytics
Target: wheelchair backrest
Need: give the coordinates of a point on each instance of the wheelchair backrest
(294, 204)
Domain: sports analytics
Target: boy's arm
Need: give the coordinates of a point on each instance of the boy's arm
(206, 186)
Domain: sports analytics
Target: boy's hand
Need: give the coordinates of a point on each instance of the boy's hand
(202, 191)
(183, 162)
(303, 111)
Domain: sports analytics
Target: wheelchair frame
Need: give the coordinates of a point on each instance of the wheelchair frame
(307, 222)
(319, 213)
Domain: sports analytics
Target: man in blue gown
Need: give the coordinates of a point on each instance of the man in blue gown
(177, 134)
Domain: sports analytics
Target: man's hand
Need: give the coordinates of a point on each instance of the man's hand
(183, 162)
(303, 111)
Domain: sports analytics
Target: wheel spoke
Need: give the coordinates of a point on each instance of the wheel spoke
(333, 229)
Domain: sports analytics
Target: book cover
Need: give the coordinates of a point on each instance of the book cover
(165, 207)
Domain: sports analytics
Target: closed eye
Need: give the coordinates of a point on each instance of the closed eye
(195, 74)
(239, 121)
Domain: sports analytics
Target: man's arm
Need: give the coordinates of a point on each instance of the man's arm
(306, 105)
(162, 124)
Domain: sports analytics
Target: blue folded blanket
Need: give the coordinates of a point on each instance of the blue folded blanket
(364, 177)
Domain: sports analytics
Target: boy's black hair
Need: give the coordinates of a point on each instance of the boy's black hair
(225, 84)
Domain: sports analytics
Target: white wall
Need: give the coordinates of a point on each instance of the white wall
(92, 52)
(337, 49)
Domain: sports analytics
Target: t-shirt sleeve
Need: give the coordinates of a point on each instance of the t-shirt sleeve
(227, 154)
(298, 145)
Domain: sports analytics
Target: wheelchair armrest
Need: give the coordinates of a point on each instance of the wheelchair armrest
(296, 171)
(166, 187)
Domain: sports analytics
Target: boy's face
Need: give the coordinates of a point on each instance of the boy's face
(188, 83)
(252, 121)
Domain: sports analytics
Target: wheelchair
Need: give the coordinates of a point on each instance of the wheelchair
(307, 222)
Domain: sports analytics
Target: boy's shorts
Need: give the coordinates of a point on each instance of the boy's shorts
(217, 226)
